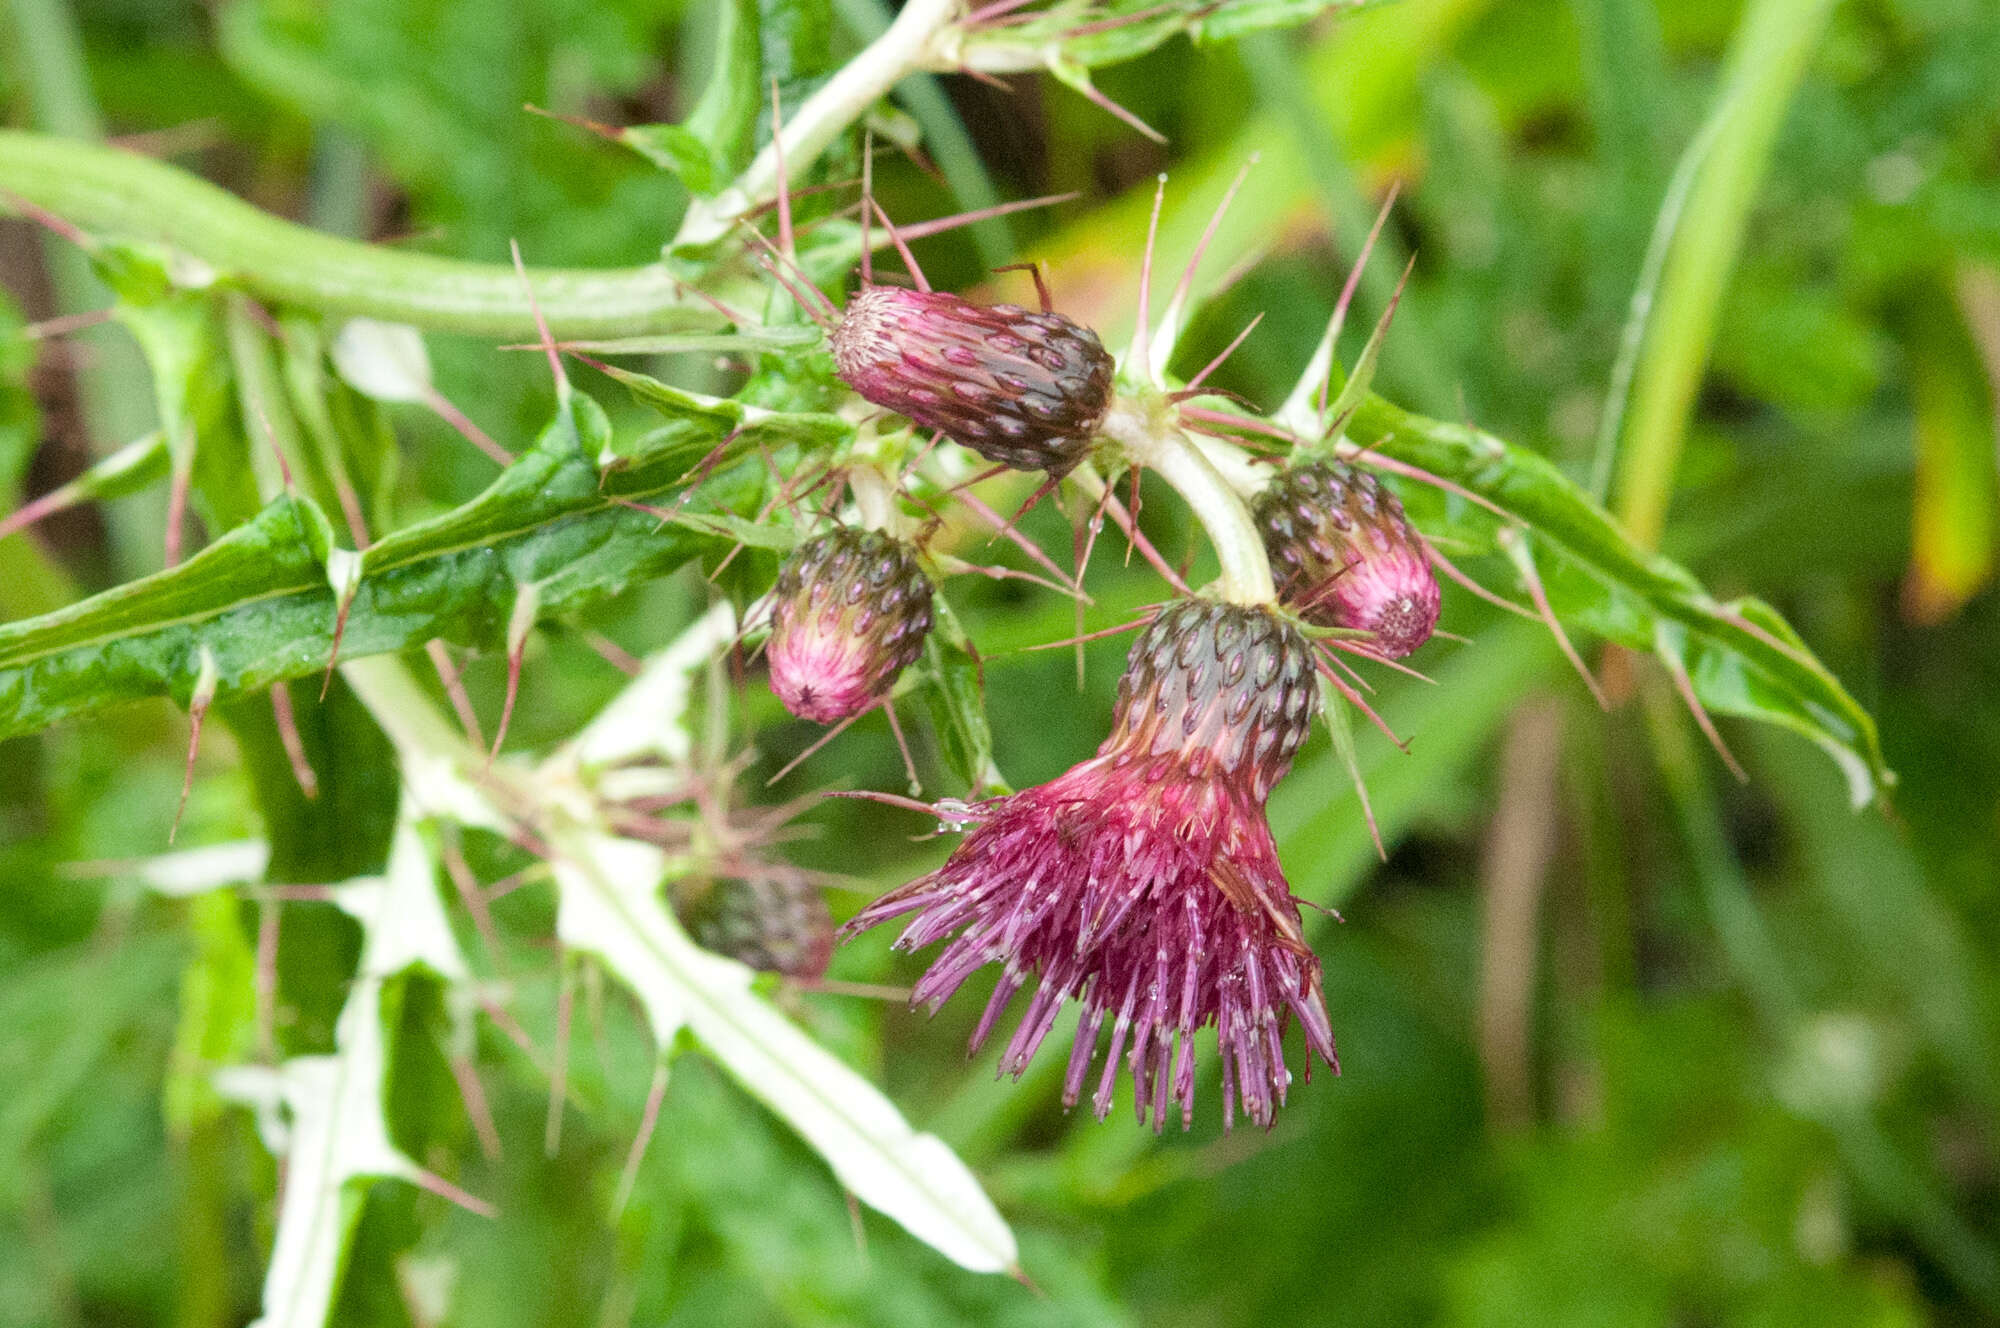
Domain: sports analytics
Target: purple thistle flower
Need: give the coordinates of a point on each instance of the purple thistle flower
(1023, 389)
(1144, 883)
(1344, 555)
(849, 613)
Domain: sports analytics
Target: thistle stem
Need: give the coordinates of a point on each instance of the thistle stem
(905, 48)
(875, 501)
(107, 191)
(1151, 440)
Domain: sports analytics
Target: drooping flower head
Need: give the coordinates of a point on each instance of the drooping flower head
(1344, 555)
(1023, 389)
(1144, 884)
(849, 613)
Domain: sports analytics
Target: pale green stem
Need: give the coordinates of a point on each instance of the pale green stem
(1152, 441)
(904, 49)
(112, 193)
(108, 192)
(406, 714)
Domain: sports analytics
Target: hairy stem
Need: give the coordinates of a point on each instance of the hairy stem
(1150, 439)
(119, 194)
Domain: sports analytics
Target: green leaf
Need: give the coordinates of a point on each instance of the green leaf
(181, 333)
(1741, 656)
(351, 445)
(691, 416)
(259, 601)
(680, 150)
(715, 141)
(797, 40)
(611, 907)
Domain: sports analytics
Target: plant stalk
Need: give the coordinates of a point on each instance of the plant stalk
(1767, 62)
(1151, 440)
(904, 48)
(109, 192)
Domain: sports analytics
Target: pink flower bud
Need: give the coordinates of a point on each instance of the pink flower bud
(1344, 555)
(1023, 389)
(849, 613)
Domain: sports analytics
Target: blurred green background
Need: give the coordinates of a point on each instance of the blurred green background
(1625, 1042)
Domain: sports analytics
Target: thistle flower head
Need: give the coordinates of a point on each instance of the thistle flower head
(1144, 884)
(849, 613)
(1344, 555)
(1023, 389)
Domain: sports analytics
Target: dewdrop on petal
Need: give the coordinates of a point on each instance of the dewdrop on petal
(1024, 389)
(1144, 884)
(849, 613)
(1344, 555)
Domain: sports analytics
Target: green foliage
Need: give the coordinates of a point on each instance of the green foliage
(265, 604)
(714, 143)
(20, 422)
(1741, 657)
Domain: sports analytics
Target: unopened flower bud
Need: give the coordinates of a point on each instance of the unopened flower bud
(1023, 389)
(849, 613)
(1344, 555)
(775, 923)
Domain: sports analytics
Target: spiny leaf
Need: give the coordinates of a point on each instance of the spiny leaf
(1741, 656)
(611, 906)
(747, 427)
(259, 600)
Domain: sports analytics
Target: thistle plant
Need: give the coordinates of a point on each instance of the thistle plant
(829, 500)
